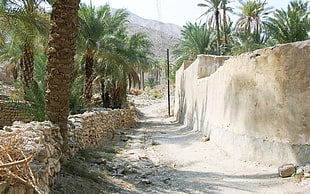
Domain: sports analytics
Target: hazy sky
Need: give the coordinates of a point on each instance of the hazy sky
(171, 11)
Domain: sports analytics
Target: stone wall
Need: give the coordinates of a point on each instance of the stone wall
(11, 111)
(257, 105)
(43, 140)
(91, 128)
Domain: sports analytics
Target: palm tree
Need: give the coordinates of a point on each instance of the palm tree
(291, 25)
(11, 53)
(95, 25)
(242, 43)
(213, 7)
(155, 70)
(91, 29)
(26, 21)
(225, 8)
(3, 24)
(61, 52)
(195, 40)
(137, 55)
(138, 52)
(251, 16)
(119, 69)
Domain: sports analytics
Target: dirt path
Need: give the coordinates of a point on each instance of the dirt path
(162, 156)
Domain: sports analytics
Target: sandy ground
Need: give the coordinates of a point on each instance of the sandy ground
(202, 167)
(162, 156)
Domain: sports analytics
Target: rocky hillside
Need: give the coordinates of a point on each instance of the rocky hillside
(171, 29)
(164, 36)
(161, 40)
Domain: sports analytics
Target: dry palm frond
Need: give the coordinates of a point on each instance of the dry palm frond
(14, 161)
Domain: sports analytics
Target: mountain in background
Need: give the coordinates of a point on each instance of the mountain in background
(163, 35)
(168, 28)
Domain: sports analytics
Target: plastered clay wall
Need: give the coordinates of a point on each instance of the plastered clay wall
(256, 106)
(42, 140)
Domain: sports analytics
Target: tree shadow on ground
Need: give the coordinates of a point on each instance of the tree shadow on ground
(122, 165)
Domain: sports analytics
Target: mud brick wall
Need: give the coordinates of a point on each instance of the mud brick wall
(259, 101)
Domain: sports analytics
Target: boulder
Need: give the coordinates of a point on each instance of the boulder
(286, 170)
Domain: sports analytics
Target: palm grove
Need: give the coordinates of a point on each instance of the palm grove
(60, 54)
(60, 57)
(257, 26)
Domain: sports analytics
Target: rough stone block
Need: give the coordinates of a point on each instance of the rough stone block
(286, 170)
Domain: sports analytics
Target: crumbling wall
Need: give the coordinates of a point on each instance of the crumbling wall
(257, 105)
(43, 140)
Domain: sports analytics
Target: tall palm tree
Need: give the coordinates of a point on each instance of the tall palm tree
(27, 21)
(91, 29)
(291, 25)
(138, 52)
(213, 7)
(253, 12)
(95, 25)
(195, 40)
(116, 69)
(11, 53)
(225, 8)
(61, 51)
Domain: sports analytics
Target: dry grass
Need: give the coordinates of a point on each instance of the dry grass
(14, 161)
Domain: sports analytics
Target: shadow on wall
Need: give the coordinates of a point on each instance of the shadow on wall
(181, 100)
(202, 124)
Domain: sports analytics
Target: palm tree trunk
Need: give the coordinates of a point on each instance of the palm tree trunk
(225, 24)
(27, 65)
(105, 96)
(129, 83)
(88, 83)
(249, 28)
(157, 76)
(62, 48)
(118, 94)
(140, 84)
(142, 79)
(218, 42)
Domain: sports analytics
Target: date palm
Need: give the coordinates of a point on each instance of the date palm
(11, 53)
(26, 21)
(213, 7)
(291, 25)
(195, 40)
(225, 8)
(95, 25)
(253, 12)
(61, 52)
(138, 53)
(243, 43)
(118, 69)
